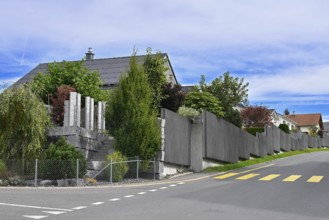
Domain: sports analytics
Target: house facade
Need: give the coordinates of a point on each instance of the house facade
(305, 122)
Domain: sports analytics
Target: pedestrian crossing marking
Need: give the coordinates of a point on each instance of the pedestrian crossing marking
(292, 178)
(221, 177)
(269, 177)
(248, 176)
(315, 179)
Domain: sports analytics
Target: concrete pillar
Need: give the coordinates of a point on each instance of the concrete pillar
(87, 112)
(103, 115)
(78, 110)
(196, 145)
(73, 102)
(66, 113)
(92, 108)
(99, 116)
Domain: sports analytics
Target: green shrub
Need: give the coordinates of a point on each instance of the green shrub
(3, 169)
(119, 168)
(191, 113)
(253, 131)
(61, 161)
(284, 128)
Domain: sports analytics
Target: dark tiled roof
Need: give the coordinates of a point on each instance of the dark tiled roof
(110, 69)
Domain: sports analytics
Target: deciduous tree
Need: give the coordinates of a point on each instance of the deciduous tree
(24, 120)
(74, 74)
(256, 116)
(204, 101)
(173, 96)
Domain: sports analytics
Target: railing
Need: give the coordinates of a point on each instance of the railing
(64, 173)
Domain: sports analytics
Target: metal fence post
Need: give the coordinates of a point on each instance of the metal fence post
(77, 172)
(154, 168)
(36, 173)
(137, 168)
(111, 171)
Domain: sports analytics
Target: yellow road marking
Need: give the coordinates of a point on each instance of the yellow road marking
(269, 177)
(248, 176)
(226, 176)
(315, 179)
(292, 178)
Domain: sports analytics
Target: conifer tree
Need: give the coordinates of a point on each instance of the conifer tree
(130, 115)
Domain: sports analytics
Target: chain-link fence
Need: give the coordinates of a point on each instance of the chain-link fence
(117, 171)
(74, 172)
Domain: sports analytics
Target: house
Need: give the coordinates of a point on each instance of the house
(278, 119)
(110, 69)
(307, 121)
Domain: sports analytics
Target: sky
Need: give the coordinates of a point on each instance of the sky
(281, 47)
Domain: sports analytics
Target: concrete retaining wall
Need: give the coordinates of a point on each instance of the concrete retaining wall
(194, 143)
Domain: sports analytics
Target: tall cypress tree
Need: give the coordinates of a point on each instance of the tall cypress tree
(130, 115)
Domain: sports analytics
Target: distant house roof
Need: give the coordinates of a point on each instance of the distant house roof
(110, 69)
(307, 119)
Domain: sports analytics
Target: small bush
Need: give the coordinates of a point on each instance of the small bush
(190, 113)
(253, 131)
(284, 128)
(61, 161)
(3, 169)
(119, 168)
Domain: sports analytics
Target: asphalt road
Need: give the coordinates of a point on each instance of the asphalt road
(291, 188)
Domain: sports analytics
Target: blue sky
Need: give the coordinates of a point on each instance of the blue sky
(280, 47)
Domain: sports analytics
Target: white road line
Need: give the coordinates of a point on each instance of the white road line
(35, 207)
(97, 203)
(181, 183)
(141, 193)
(115, 199)
(35, 216)
(172, 185)
(164, 187)
(53, 212)
(79, 207)
(129, 196)
(153, 190)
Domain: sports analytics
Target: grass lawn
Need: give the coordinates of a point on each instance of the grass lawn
(246, 163)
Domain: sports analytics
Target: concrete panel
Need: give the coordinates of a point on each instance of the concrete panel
(263, 144)
(270, 138)
(221, 139)
(177, 138)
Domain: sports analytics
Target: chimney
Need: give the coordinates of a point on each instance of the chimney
(90, 55)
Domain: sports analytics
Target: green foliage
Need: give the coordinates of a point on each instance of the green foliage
(284, 128)
(24, 120)
(75, 74)
(191, 113)
(61, 161)
(246, 163)
(119, 168)
(204, 101)
(3, 169)
(131, 118)
(173, 96)
(255, 130)
(155, 69)
(313, 131)
(230, 92)
(233, 116)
